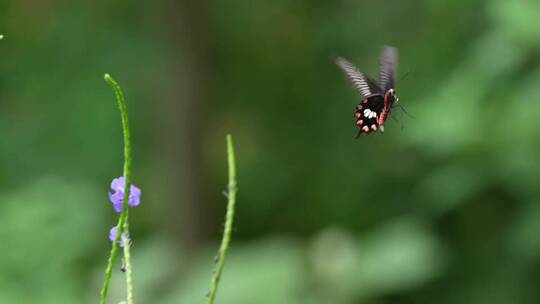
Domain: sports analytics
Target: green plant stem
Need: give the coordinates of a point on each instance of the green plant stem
(123, 218)
(229, 218)
(127, 259)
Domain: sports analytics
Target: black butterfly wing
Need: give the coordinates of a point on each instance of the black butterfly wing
(364, 85)
(387, 68)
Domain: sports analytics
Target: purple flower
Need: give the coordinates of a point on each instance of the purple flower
(123, 238)
(116, 197)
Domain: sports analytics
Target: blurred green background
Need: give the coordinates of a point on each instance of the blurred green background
(444, 211)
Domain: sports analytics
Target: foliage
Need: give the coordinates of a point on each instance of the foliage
(444, 210)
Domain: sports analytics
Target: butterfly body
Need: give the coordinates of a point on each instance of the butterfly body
(377, 99)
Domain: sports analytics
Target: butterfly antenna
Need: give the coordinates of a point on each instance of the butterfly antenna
(405, 111)
(405, 75)
(400, 122)
(395, 119)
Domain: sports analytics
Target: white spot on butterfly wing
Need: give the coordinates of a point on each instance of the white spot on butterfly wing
(370, 114)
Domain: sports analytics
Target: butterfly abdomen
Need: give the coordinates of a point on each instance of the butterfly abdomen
(383, 116)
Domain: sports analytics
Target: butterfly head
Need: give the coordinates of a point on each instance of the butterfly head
(391, 97)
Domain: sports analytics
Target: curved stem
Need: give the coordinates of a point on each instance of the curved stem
(123, 218)
(125, 128)
(231, 195)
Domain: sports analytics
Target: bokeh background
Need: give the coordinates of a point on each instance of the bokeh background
(444, 211)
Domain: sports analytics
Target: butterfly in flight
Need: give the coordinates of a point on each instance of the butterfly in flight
(377, 98)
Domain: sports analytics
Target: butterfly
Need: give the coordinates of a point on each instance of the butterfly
(377, 98)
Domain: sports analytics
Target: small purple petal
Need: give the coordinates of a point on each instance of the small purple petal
(118, 207)
(134, 196)
(134, 190)
(112, 236)
(134, 201)
(117, 196)
(116, 200)
(112, 233)
(113, 197)
(118, 184)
